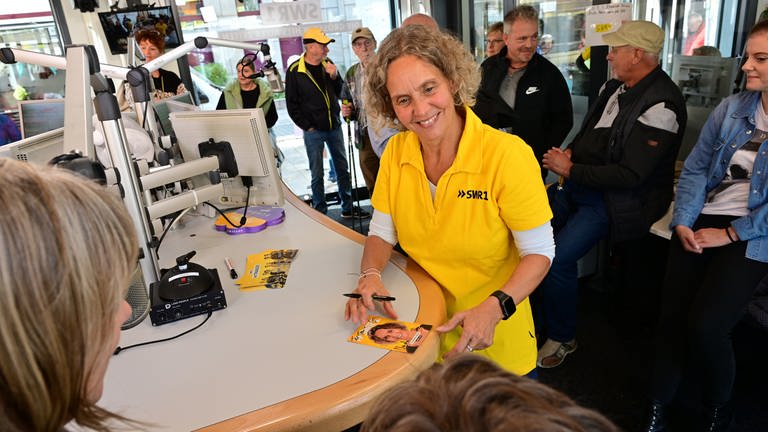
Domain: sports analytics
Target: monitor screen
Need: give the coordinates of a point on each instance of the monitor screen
(246, 132)
(119, 25)
(39, 149)
(38, 116)
(164, 107)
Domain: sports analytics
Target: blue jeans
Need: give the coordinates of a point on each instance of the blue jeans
(580, 220)
(332, 172)
(534, 374)
(314, 142)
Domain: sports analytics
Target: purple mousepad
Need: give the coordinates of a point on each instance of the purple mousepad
(252, 225)
(273, 215)
(259, 218)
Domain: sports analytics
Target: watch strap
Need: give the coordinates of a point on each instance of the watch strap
(506, 303)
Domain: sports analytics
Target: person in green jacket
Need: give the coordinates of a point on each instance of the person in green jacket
(248, 91)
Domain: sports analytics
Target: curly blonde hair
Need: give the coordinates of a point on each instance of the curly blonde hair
(437, 48)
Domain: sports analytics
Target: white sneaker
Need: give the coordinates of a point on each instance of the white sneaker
(552, 353)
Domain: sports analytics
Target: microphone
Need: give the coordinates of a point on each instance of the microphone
(268, 69)
(251, 59)
(259, 74)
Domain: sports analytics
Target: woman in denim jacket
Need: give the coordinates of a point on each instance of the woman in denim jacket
(719, 251)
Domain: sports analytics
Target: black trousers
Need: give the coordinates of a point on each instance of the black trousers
(704, 297)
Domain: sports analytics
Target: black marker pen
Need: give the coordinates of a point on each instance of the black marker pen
(232, 272)
(375, 297)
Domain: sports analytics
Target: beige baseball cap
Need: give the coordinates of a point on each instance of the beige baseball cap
(363, 32)
(640, 34)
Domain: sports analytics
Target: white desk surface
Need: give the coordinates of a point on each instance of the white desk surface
(273, 359)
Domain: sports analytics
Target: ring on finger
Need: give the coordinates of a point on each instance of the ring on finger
(469, 348)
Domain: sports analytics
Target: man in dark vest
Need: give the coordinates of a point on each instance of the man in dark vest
(616, 176)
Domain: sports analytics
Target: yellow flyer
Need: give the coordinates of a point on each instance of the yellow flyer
(267, 269)
(391, 334)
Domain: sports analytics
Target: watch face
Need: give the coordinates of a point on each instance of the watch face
(506, 303)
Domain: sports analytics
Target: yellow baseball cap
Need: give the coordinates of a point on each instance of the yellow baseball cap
(640, 34)
(314, 34)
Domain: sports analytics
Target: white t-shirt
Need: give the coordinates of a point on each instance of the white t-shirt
(730, 197)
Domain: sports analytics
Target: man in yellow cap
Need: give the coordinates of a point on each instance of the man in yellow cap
(616, 175)
(312, 88)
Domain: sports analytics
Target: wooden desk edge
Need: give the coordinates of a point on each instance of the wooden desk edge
(346, 403)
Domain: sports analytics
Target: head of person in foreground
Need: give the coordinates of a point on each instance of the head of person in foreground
(470, 393)
(67, 251)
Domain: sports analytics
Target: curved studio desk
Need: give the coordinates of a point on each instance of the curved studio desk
(273, 359)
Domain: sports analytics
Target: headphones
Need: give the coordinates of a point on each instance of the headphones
(74, 161)
(250, 59)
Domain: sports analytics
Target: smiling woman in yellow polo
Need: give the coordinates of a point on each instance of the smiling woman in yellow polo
(465, 201)
(462, 238)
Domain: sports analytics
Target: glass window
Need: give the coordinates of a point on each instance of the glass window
(213, 67)
(561, 39)
(35, 32)
(243, 23)
(704, 70)
(561, 33)
(486, 13)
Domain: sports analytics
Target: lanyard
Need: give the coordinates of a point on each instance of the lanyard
(324, 92)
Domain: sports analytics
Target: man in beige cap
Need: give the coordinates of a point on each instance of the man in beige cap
(312, 89)
(364, 46)
(616, 175)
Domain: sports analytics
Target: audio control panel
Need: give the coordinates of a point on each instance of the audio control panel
(165, 310)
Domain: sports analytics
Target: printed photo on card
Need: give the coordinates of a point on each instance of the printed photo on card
(391, 334)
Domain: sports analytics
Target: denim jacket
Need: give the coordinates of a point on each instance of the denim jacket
(728, 128)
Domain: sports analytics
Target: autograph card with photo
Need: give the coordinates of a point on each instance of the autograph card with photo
(391, 334)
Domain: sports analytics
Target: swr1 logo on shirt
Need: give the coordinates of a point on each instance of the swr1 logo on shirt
(473, 194)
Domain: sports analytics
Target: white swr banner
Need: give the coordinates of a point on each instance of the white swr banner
(291, 12)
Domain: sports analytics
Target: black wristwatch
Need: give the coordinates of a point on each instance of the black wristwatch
(506, 302)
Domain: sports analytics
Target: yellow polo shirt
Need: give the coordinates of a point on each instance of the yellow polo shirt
(462, 238)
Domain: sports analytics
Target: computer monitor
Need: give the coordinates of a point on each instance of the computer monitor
(704, 80)
(38, 116)
(164, 107)
(39, 149)
(246, 132)
(119, 25)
